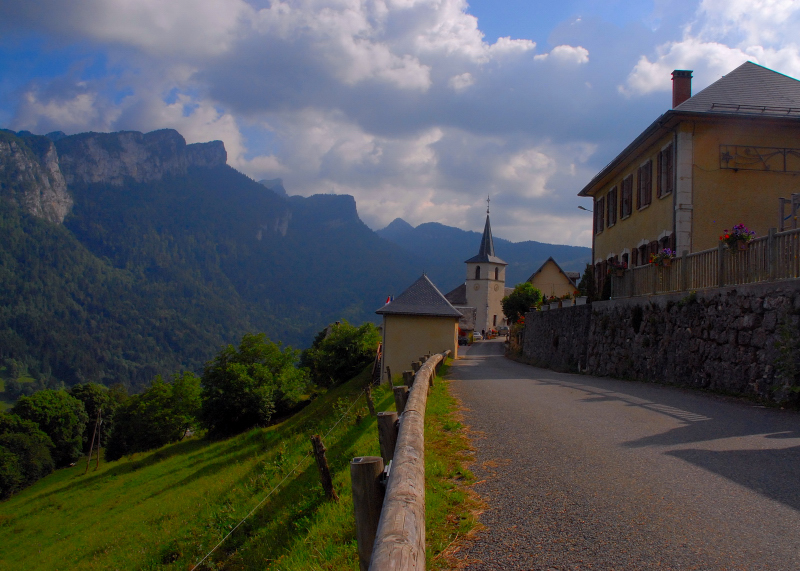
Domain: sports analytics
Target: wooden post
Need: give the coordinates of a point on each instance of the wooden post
(400, 398)
(91, 446)
(370, 404)
(322, 466)
(685, 270)
(365, 473)
(389, 374)
(400, 540)
(772, 254)
(408, 378)
(721, 264)
(387, 434)
(415, 366)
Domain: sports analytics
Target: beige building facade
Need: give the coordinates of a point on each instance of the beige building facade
(722, 157)
(552, 281)
(417, 322)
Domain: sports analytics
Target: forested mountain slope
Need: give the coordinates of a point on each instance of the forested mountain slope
(165, 253)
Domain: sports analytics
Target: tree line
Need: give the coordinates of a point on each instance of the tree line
(242, 387)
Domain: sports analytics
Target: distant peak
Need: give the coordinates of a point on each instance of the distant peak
(399, 224)
(275, 185)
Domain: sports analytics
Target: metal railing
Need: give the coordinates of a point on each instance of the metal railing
(768, 258)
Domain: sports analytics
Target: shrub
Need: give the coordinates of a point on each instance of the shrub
(518, 303)
(340, 352)
(24, 453)
(61, 417)
(164, 413)
(243, 387)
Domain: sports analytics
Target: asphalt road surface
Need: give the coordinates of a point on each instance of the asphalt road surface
(582, 472)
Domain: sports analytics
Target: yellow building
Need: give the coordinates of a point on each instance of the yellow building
(722, 157)
(417, 322)
(551, 280)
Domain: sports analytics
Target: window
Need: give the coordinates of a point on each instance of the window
(477, 272)
(599, 215)
(626, 260)
(644, 185)
(634, 257)
(611, 199)
(666, 172)
(497, 273)
(494, 321)
(626, 200)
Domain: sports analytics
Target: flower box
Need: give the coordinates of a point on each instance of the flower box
(581, 300)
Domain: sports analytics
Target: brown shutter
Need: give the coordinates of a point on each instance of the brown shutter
(660, 175)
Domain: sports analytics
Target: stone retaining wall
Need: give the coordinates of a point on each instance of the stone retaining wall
(722, 339)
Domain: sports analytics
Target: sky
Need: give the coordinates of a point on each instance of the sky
(418, 108)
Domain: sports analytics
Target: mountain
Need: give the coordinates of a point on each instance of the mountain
(444, 263)
(275, 185)
(127, 255)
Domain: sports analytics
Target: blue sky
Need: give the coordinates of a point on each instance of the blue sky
(418, 108)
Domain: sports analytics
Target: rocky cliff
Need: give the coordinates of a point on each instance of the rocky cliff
(30, 176)
(113, 158)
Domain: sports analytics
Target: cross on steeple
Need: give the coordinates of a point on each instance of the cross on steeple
(487, 204)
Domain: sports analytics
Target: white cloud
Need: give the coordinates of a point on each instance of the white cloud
(461, 81)
(566, 54)
(722, 36)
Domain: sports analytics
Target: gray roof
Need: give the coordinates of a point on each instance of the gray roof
(486, 250)
(420, 298)
(749, 89)
(458, 296)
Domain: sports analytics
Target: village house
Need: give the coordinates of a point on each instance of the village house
(552, 281)
(417, 322)
(722, 157)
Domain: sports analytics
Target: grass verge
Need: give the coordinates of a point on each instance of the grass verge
(166, 509)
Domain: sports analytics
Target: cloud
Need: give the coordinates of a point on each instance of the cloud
(722, 36)
(402, 103)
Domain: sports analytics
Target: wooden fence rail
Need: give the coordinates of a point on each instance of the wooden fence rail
(400, 539)
(772, 257)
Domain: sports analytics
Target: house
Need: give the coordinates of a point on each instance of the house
(485, 286)
(722, 157)
(418, 321)
(551, 280)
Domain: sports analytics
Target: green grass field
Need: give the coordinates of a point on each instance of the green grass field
(168, 508)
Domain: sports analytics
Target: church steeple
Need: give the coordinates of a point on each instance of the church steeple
(486, 251)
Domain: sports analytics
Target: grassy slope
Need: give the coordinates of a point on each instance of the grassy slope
(167, 508)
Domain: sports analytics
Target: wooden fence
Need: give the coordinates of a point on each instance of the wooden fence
(772, 257)
(399, 529)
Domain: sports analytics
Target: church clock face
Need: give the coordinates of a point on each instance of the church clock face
(496, 287)
(476, 287)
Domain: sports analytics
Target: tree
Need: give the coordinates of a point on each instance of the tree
(518, 302)
(24, 453)
(243, 387)
(95, 397)
(586, 285)
(160, 415)
(340, 352)
(61, 417)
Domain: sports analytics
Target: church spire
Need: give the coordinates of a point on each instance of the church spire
(487, 244)
(486, 250)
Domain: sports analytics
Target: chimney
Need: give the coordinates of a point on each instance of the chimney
(681, 86)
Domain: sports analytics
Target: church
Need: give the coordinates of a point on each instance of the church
(478, 298)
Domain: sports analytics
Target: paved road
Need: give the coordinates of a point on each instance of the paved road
(582, 472)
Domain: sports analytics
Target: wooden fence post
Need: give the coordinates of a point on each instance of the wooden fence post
(322, 466)
(408, 378)
(772, 254)
(415, 366)
(389, 374)
(400, 398)
(721, 264)
(365, 473)
(370, 404)
(387, 434)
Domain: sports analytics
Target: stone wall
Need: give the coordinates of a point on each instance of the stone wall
(723, 339)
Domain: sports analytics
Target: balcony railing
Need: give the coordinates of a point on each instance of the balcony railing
(769, 258)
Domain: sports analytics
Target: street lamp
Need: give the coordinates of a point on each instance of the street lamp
(586, 209)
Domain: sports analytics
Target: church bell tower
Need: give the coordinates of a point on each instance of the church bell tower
(486, 282)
